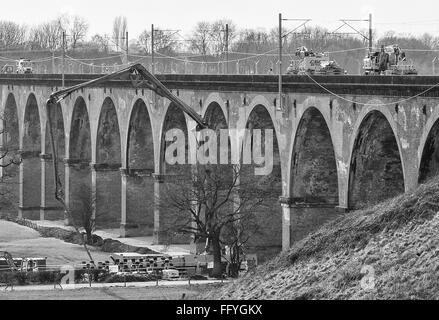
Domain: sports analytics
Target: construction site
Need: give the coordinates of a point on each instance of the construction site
(222, 164)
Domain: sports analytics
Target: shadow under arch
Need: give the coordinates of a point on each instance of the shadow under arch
(51, 207)
(313, 177)
(429, 166)
(174, 119)
(376, 171)
(78, 170)
(10, 155)
(139, 177)
(30, 183)
(175, 173)
(107, 168)
(268, 241)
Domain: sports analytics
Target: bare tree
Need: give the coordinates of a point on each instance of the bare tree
(236, 237)
(218, 35)
(48, 35)
(252, 40)
(144, 41)
(12, 34)
(83, 214)
(200, 38)
(210, 205)
(101, 41)
(119, 30)
(9, 158)
(78, 30)
(164, 41)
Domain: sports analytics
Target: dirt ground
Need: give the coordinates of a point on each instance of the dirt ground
(21, 241)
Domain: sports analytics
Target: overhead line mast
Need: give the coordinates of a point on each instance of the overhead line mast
(281, 37)
(346, 22)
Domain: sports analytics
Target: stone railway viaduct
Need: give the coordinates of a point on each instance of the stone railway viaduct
(333, 153)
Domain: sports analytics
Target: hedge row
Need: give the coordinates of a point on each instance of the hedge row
(81, 276)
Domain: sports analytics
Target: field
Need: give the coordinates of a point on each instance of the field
(109, 293)
(21, 241)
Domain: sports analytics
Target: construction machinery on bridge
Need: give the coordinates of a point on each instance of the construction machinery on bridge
(311, 63)
(8, 69)
(389, 60)
(24, 66)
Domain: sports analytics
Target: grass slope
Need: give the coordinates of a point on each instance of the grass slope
(389, 251)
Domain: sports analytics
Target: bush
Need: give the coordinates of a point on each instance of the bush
(43, 277)
(198, 277)
(25, 278)
(82, 276)
(130, 278)
(7, 277)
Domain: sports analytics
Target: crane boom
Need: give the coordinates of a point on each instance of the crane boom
(10, 261)
(139, 77)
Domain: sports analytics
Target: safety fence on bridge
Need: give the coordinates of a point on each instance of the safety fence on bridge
(233, 63)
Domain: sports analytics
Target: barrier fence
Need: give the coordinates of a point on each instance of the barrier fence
(236, 63)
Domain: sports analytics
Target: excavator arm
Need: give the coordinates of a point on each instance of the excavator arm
(139, 77)
(10, 261)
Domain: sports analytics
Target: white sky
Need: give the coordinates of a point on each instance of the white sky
(403, 16)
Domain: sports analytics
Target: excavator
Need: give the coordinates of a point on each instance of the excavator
(311, 63)
(389, 60)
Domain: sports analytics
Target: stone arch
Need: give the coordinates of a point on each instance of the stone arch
(314, 167)
(313, 175)
(174, 119)
(429, 159)
(139, 180)
(258, 101)
(214, 98)
(216, 120)
(427, 148)
(11, 137)
(58, 133)
(30, 182)
(106, 170)
(50, 208)
(310, 102)
(80, 135)
(10, 152)
(32, 126)
(140, 143)
(268, 218)
(108, 144)
(215, 114)
(376, 170)
(78, 185)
